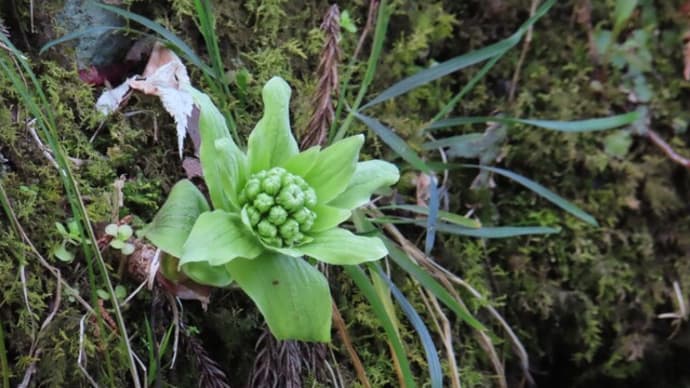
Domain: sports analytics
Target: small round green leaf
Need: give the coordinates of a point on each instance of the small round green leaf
(124, 232)
(111, 230)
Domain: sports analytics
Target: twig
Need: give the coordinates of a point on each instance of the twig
(371, 16)
(81, 360)
(339, 324)
(666, 148)
(523, 53)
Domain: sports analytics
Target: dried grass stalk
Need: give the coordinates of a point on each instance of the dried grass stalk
(283, 363)
(210, 374)
(323, 115)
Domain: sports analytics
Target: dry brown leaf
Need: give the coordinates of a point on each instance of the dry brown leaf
(166, 77)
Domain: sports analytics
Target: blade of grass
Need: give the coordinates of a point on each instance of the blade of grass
(38, 105)
(360, 279)
(186, 51)
(416, 272)
(207, 24)
(442, 215)
(450, 105)
(384, 14)
(494, 232)
(588, 125)
(435, 373)
(460, 62)
(395, 142)
(93, 30)
(542, 192)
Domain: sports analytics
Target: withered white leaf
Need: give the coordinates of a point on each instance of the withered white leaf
(167, 78)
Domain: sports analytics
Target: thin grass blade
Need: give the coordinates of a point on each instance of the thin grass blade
(435, 373)
(588, 125)
(184, 48)
(426, 280)
(93, 31)
(395, 142)
(495, 232)
(442, 215)
(360, 279)
(460, 62)
(543, 192)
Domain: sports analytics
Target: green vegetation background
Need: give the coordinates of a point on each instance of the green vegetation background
(584, 301)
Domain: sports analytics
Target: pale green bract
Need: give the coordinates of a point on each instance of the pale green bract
(271, 207)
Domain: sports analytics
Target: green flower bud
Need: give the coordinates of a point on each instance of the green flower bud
(287, 180)
(252, 189)
(289, 230)
(309, 197)
(277, 205)
(263, 202)
(254, 215)
(291, 197)
(266, 229)
(277, 215)
(271, 185)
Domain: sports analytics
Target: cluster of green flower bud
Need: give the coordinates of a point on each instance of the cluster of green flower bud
(279, 206)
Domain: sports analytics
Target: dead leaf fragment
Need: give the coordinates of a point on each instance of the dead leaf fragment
(166, 77)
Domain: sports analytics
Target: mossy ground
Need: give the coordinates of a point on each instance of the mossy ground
(583, 301)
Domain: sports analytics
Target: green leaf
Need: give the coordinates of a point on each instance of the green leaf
(340, 247)
(385, 320)
(368, 177)
(102, 294)
(452, 65)
(204, 273)
(334, 168)
(328, 217)
(62, 254)
(61, 229)
(293, 296)
(623, 12)
(346, 22)
(212, 128)
(303, 162)
(588, 125)
(111, 230)
(493, 232)
(232, 169)
(271, 142)
(124, 232)
(173, 222)
(219, 237)
(395, 142)
(543, 192)
(117, 244)
(120, 292)
(442, 215)
(127, 249)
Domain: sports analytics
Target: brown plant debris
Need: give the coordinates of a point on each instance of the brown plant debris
(283, 363)
(210, 374)
(323, 115)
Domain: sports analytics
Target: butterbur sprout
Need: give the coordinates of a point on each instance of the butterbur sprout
(273, 206)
